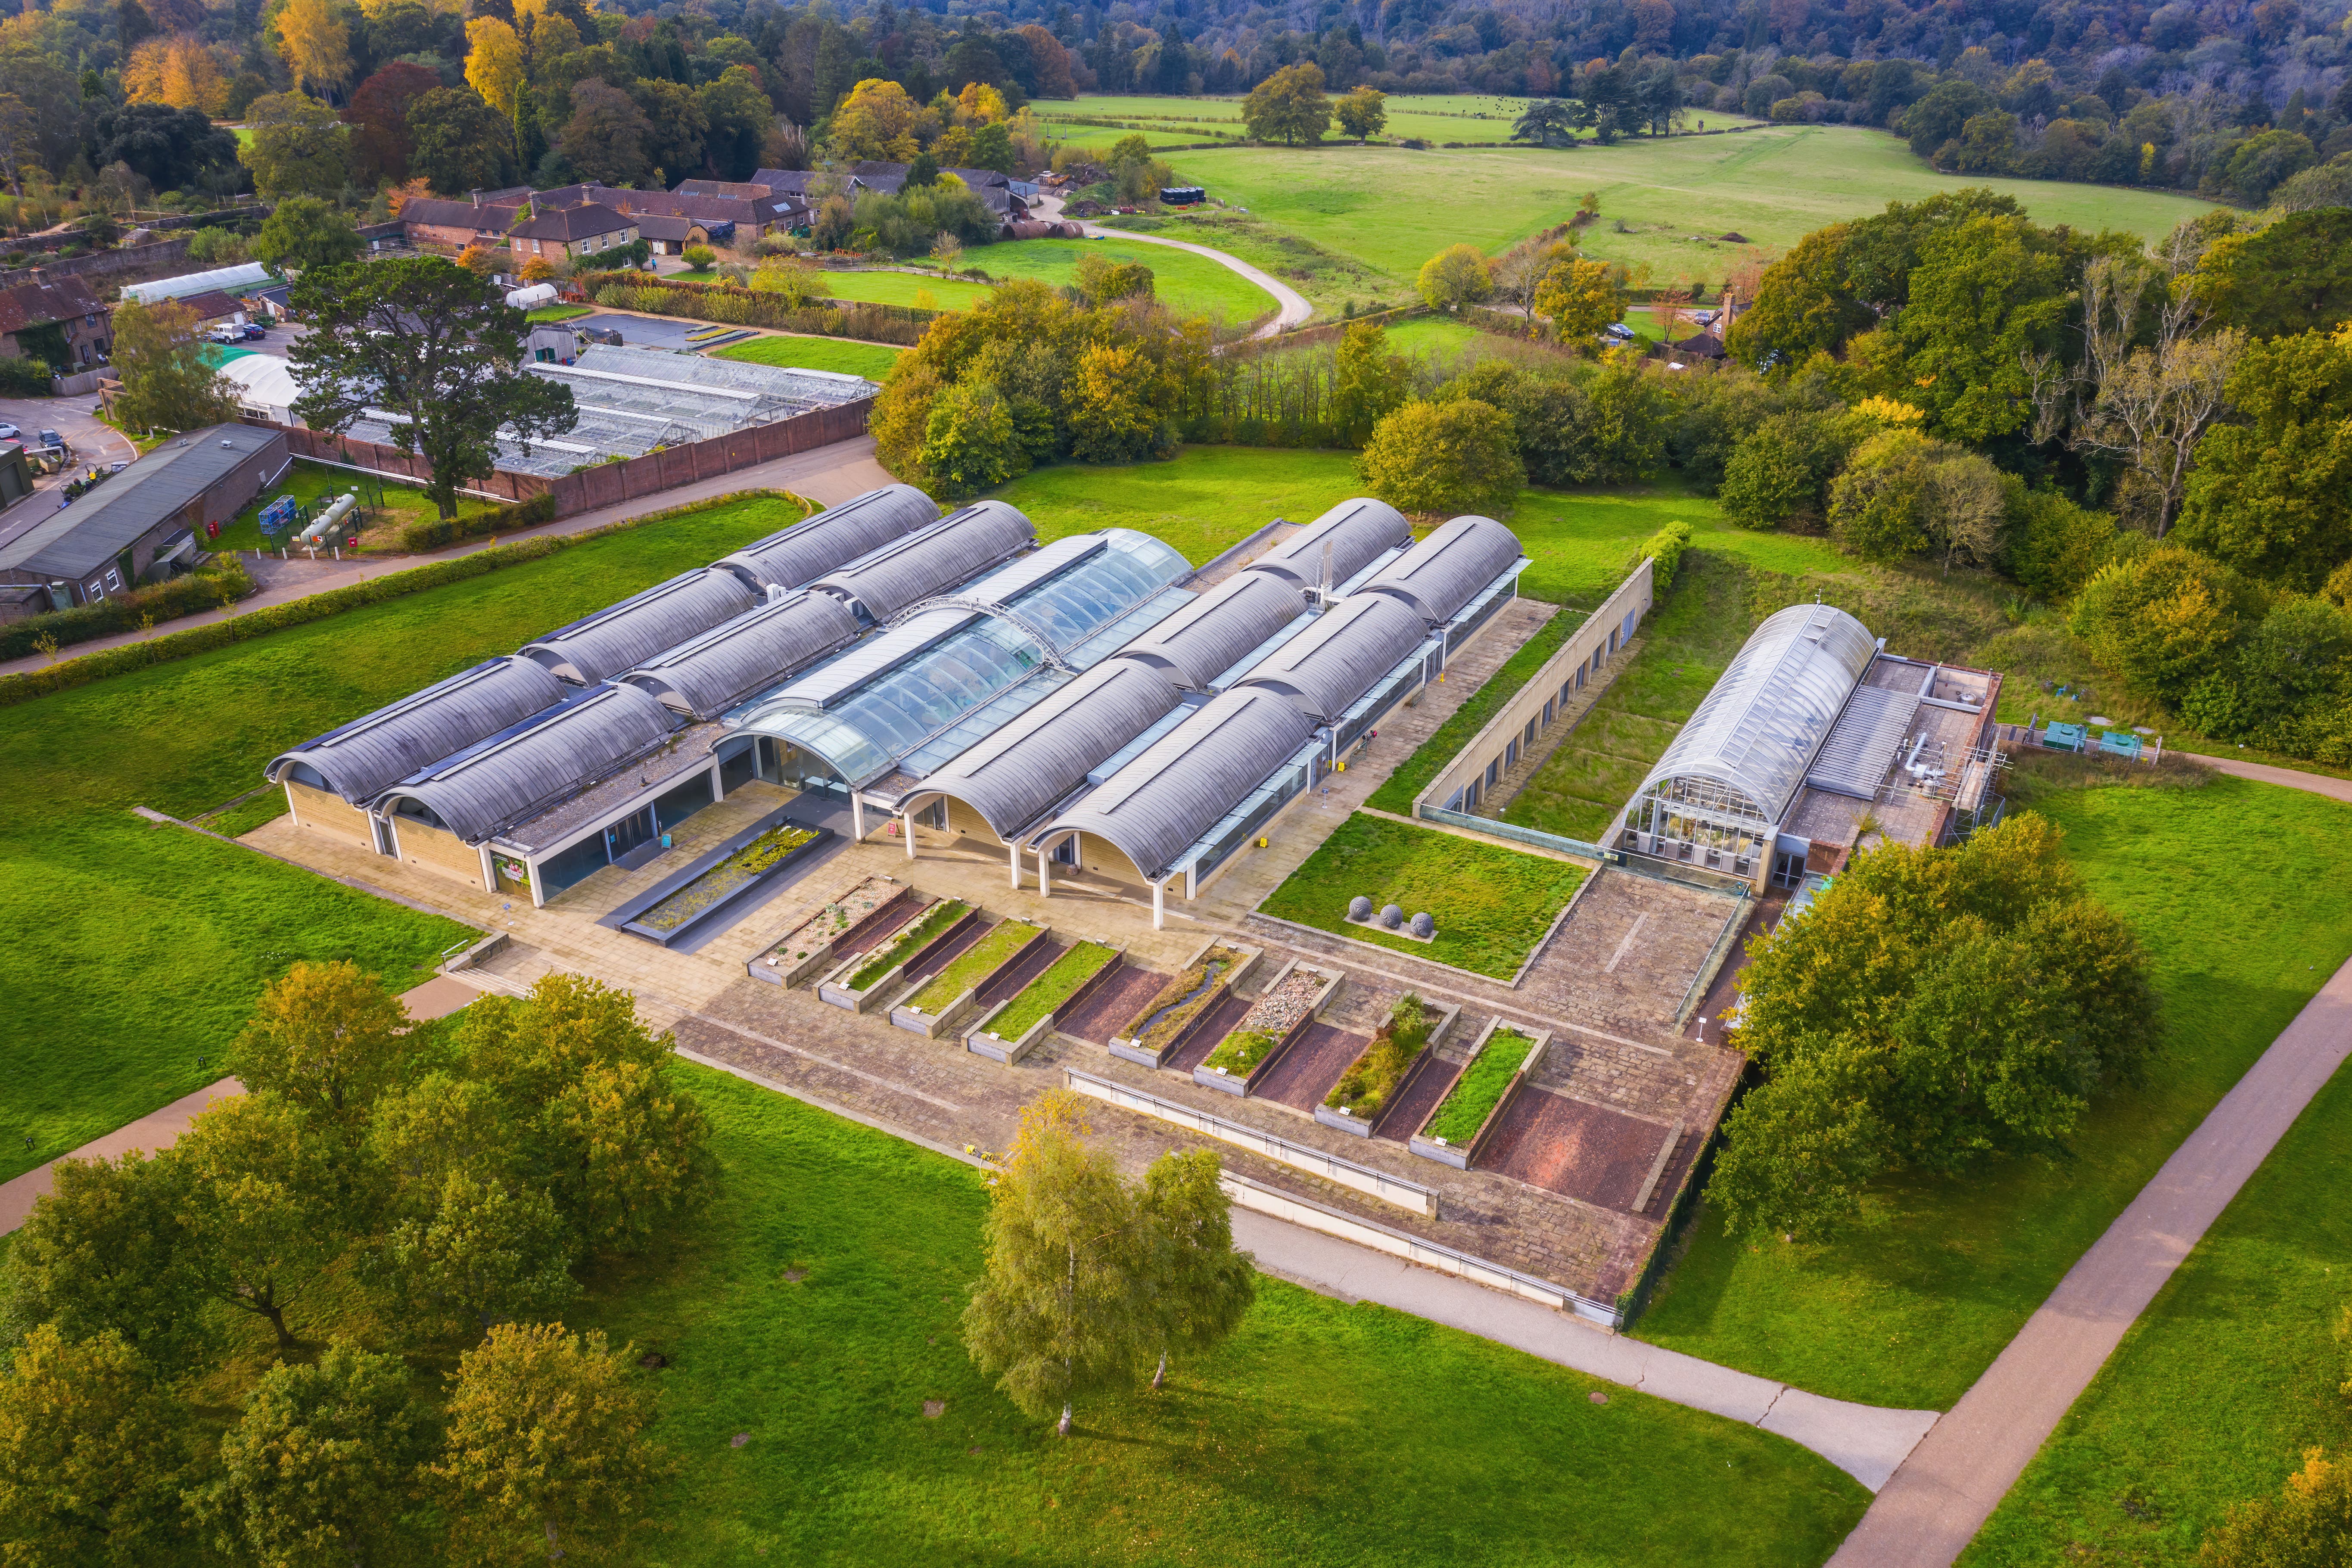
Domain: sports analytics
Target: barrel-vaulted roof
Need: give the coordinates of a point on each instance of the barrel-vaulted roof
(928, 562)
(1160, 804)
(639, 627)
(807, 550)
(1209, 635)
(481, 793)
(1440, 576)
(736, 660)
(1014, 776)
(1358, 530)
(1341, 655)
(359, 760)
(1758, 728)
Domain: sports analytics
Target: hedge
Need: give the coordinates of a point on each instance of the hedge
(1667, 545)
(188, 595)
(438, 531)
(27, 685)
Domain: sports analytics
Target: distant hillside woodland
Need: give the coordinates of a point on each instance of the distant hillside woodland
(2228, 99)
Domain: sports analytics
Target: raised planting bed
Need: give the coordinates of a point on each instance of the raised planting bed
(1499, 1059)
(1368, 1086)
(1014, 1027)
(860, 917)
(1273, 1023)
(949, 996)
(864, 980)
(1166, 1022)
(678, 906)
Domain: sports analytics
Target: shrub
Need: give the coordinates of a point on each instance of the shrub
(1364, 1088)
(191, 594)
(2053, 545)
(1666, 546)
(699, 255)
(435, 532)
(24, 378)
(1460, 456)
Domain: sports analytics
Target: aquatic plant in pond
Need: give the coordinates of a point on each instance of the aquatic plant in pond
(727, 877)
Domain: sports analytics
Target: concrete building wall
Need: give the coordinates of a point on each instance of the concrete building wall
(437, 850)
(329, 813)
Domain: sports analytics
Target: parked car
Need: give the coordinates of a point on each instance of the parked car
(255, 331)
(1618, 330)
(51, 439)
(10, 433)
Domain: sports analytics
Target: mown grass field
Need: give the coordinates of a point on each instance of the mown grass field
(846, 355)
(1915, 1306)
(1201, 501)
(135, 948)
(1675, 196)
(2216, 1392)
(1193, 284)
(1431, 117)
(1434, 1446)
(1491, 904)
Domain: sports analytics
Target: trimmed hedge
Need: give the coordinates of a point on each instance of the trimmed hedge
(438, 531)
(1667, 545)
(188, 595)
(27, 685)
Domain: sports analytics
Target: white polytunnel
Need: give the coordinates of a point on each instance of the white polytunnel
(666, 615)
(808, 549)
(930, 561)
(1212, 634)
(1358, 532)
(706, 676)
(1341, 656)
(1735, 766)
(1015, 776)
(1157, 807)
(478, 795)
(359, 760)
(1438, 577)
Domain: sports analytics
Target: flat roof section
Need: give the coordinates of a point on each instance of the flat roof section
(84, 537)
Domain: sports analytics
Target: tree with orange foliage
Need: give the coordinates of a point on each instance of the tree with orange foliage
(316, 44)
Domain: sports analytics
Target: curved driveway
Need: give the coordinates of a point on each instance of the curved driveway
(1294, 309)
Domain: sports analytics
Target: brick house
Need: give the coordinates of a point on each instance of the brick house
(483, 219)
(572, 233)
(63, 311)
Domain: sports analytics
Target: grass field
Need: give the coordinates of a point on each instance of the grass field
(1433, 1446)
(1204, 501)
(1491, 904)
(1916, 1305)
(872, 361)
(135, 948)
(1770, 185)
(550, 314)
(2242, 1337)
(1431, 117)
(1193, 284)
(902, 289)
(1326, 277)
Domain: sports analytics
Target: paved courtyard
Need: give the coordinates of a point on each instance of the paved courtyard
(1622, 1088)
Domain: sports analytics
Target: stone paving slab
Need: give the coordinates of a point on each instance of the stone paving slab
(1312, 1065)
(1114, 1003)
(1569, 1147)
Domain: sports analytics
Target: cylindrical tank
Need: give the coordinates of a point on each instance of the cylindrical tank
(324, 523)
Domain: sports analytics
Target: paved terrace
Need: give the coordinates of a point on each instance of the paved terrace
(1617, 1082)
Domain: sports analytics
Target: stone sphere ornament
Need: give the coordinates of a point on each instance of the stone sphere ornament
(1423, 926)
(1392, 916)
(1359, 908)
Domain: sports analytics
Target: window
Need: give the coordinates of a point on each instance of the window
(1511, 755)
(1549, 710)
(113, 581)
(1565, 687)
(1530, 736)
(1494, 772)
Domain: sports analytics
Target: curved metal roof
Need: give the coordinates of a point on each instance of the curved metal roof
(1357, 530)
(952, 550)
(639, 627)
(362, 759)
(1445, 571)
(1209, 635)
(707, 675)
(813, 546)
(1158, 806)
(1341, 655)
(1758, 728)
(1021, 771)
(481, 795)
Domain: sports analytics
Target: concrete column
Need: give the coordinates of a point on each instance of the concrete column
(1159, 905)
(1016, 865)
(1044, 870)
(857, 818)
(906, 822)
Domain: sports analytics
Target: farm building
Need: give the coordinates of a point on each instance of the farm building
(1089, 702)
(59, 320)
(1814, 736)
(148, 522)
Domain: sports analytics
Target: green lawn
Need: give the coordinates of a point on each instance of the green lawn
(1770, 186)
(1326, 277)
(1193, 284)
(1912, 1309)
(1432, 117)
(1434, 1446)
(549, 314)
(2214, 1395)
(872, 361)
(1201, 501)
(901, 288)
(134, 948)
(975, 964)
(1082, 963)
(1491, 904)
(1471, 1098)
(382, 505)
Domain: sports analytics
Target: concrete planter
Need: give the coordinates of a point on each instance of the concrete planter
(1132, 1048)
(1460, 1155)
(629, 917)
(836, 989)
(934, 1025)
(979, 1042)
(1361, 1127)
(1211, 1079)
(892, 913)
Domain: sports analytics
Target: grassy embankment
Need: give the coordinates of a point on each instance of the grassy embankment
(136, 949)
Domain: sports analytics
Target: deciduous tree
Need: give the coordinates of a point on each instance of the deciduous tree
(1443, 457)
(457, 142)
(494, 63)
(876, 121)
(1579, 298)
(546, 1451)
(167, 383)
(1362, 113)
(1368, 382)
(103, 1252)
(606, 136)
(1549, 123)
(321, 1466)
(1288, 106)
(316, 44)
(379, 116)
(2272, 492)
(430, 341)
(2306, 1524)
(91, 1455)
(490, 1251)
(298, 148)
(267, 1196)
(305, 232)
(1199, 1288)
(327, 1039)
(1457, 276)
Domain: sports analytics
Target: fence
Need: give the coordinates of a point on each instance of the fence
(609, 484)
(1364, 1179)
